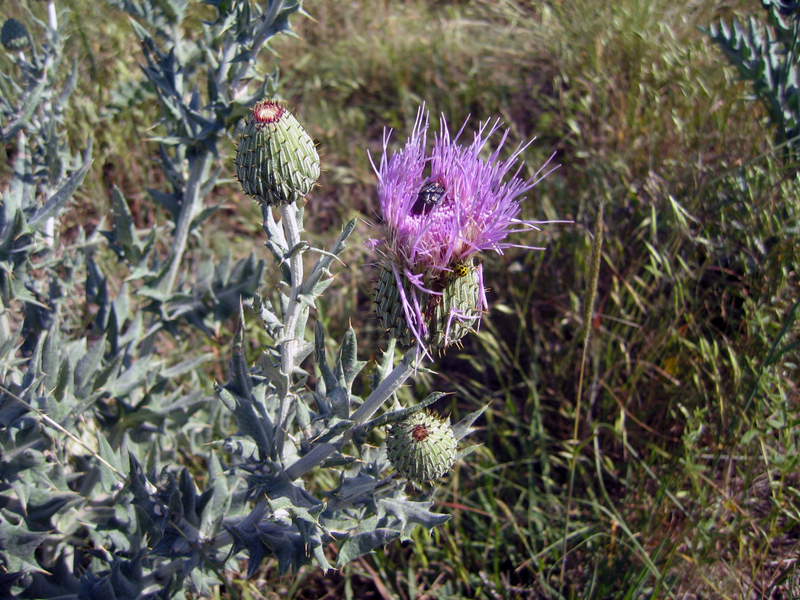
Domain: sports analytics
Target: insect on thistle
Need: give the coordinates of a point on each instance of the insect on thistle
(430, 196)
(461, 269)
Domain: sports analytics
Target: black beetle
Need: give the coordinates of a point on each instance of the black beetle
(430, 196)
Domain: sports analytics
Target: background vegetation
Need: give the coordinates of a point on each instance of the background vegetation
(687, 453)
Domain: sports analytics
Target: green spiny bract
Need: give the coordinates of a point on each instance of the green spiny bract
(422, 447)
(276, 161)
(448, 314)
(14, 36)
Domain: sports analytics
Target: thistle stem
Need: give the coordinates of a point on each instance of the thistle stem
(387, 387)
(5, 327)
(191, 198)
(291, 229)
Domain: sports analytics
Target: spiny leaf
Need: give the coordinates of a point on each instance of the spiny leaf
(59, 198)
(18, 545)
(464, 427)
(413, 512)
(363, 543)
(190, 364)
(87, 367)
(348, 361)
(249, 421)
(124, 228)
(217, 505)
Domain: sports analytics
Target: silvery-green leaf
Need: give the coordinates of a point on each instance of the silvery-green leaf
(46, 358)
(348, 358)
(31, 103)
(321, 359)
(467, 451)
(320, 287)
(20, 192)
(363, 543)
(19, 546)
(57, 581)
(131, 378)
(299, 515)
(53, 204)
(240, 381)
(298, 248)
(109, 372)
(385, 366)
(335, 428)
(190, 364)
(400, 414)
(307, 300)
(65, 383)
(352, 489)
(411, 512)
(247, 418)
(272, 371)
(239, 446)
(303, 351)
(302, 414)
(86, 369)
(204, 214)
(324, 262)
(339, 400)
(464, 427)
(317, 549)
(390, 384)
(108, 478)
(302, 321)
(171, 202)
(134, 332)
(263, 307)
(124, 229)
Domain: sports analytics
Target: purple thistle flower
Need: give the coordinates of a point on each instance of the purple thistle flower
(436, 224)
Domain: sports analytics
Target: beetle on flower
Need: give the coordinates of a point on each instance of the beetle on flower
(441, 211)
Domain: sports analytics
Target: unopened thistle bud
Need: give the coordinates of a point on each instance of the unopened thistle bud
(276, 161)
(422, 447)
(14, 36)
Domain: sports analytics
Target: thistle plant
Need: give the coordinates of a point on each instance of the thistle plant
(92, 501)
(297, 427)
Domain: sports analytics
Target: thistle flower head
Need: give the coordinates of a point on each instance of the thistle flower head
(440, 211)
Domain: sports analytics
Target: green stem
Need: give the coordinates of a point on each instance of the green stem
(291, 342)
(191, 200)
(291, 229)
(5, 327)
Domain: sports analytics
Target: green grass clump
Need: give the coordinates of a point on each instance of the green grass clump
(682, 442)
